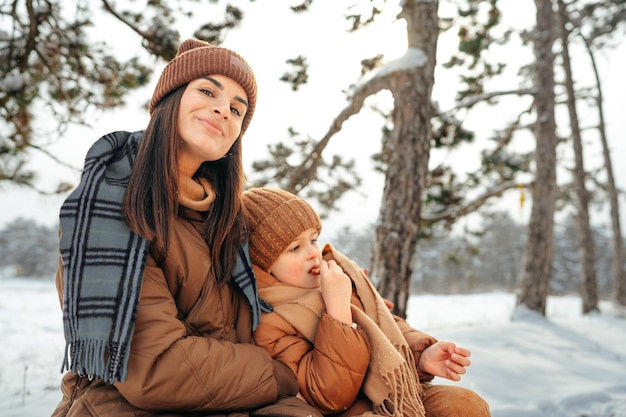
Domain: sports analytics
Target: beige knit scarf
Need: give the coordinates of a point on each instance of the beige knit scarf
(391, 381)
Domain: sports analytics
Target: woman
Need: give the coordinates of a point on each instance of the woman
(158, 301)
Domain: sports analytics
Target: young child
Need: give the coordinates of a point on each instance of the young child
(351, 356)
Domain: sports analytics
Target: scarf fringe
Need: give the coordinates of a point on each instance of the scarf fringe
(87, 354)
(405, 396)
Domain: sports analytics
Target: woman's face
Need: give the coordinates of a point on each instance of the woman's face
(210, 115)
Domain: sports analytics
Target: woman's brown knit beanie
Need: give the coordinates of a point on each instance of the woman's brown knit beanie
(196, 59)
(275, 218)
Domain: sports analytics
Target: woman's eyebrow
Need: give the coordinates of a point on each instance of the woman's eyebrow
(221, 87)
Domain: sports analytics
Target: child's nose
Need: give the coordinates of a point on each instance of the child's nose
(314, 252)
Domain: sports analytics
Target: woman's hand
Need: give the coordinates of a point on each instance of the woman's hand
(445, 360)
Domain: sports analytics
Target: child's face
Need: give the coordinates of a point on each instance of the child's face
(299, 263)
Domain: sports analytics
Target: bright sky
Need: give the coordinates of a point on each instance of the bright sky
(335, 58)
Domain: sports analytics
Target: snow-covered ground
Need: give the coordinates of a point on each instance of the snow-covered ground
(566, 365)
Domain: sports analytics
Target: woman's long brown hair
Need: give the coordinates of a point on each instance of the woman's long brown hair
(151, 200)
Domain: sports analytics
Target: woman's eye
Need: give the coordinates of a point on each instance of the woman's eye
(235, 111)
(207, 92)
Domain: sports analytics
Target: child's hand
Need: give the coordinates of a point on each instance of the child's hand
(336, 289)
(445, 359)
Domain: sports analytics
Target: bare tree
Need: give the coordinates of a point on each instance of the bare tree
(615, 15)
(537, 266)
(585, 244)
(408, 151)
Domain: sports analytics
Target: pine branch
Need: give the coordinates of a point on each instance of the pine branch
(452, 214)
(487, 96)
(306, 171)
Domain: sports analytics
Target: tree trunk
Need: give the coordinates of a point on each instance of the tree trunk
(537, 267)
(586, 250)
(407, 154)
(617, 267)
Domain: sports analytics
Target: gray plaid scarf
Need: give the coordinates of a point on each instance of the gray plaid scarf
(103, 264)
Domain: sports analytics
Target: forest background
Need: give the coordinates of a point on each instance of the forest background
(485, 250)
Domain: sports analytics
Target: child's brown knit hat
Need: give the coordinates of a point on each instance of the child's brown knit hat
(196, 59)
(275, 218)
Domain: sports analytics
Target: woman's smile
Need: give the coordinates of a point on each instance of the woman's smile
(212, 125)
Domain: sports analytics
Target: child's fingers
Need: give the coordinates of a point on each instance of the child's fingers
(454, 370)
(460, 360)
(462, 351)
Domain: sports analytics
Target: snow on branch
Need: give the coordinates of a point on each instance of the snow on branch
(412, 59)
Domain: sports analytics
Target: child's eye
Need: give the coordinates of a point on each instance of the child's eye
(314, 242)
(294, 248)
